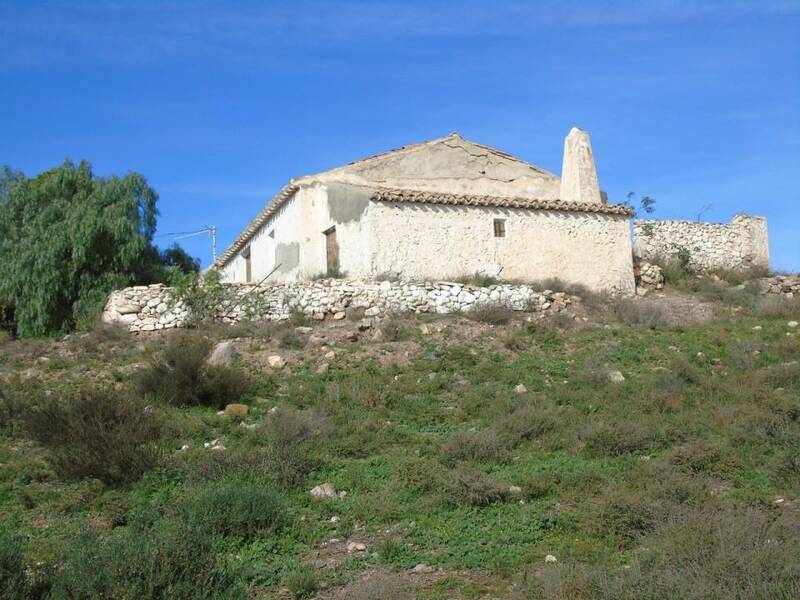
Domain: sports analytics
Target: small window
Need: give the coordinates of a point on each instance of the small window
(499, 228)
(271, 234)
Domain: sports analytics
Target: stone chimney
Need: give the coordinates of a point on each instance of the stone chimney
(578, 174)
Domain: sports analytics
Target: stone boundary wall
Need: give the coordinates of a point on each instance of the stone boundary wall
(152, 308)
(787, 286)
(740, 244)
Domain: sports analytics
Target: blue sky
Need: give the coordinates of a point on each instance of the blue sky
(696, 104)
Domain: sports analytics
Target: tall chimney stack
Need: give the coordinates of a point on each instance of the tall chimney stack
(578, 173)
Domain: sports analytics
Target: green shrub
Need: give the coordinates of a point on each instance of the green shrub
(202, 294)
(234, 506)
(418, 474)
(161, 557)
(180, 375)
(302, 582)
(528, 422)
(98, 432)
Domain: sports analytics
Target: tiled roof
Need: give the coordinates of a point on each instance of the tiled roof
(421, 197)
(277, 201)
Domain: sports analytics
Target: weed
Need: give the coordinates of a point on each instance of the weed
(477, 280)
(98, 432)
(302, 582)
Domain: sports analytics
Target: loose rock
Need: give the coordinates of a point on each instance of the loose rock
(223, 354)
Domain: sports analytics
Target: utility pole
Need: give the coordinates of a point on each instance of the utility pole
(213, 231)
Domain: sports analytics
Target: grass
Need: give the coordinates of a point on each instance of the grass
(682, 481)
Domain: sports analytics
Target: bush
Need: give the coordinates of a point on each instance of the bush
(493, 314)
(472, 487)
(181, 376)
(98, 432)
(710, 553)
(235, 506)
(639, 312)
(614, 440)
(626, 514)
(164, 557)
(290, 435)
(702, 456)
(394, 329)
(302, 582)
(484, 446)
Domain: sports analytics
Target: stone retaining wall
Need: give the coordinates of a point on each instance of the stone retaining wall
(787, 286)
(740, 244)
(151, 308)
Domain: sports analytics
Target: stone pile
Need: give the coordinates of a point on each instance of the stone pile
(648, 275)
(787, 286)
(151, 308)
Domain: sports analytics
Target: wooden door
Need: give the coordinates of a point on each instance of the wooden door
(332, 252)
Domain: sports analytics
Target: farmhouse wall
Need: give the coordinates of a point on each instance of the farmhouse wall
(740, 244)
(428, 241)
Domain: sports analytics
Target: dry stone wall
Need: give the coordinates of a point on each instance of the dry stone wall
(155, 307)
(787, 286)
(740, 244)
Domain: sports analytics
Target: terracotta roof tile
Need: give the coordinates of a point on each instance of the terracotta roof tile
(423, 197)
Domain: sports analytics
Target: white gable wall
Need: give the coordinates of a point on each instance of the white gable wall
(298, 241)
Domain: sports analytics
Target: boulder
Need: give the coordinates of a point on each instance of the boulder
(324, 490)
(276, 362)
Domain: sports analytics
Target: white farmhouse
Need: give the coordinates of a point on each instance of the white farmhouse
(438, 210)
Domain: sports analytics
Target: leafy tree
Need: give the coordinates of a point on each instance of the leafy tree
(67, 238)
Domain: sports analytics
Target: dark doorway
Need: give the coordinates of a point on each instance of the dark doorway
(332, 252)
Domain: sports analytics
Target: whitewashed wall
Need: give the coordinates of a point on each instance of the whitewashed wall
(425, 241)
(298, 241)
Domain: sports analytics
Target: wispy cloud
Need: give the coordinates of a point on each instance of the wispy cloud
(150, 32)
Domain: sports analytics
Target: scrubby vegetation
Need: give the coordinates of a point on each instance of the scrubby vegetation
(468, 448)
